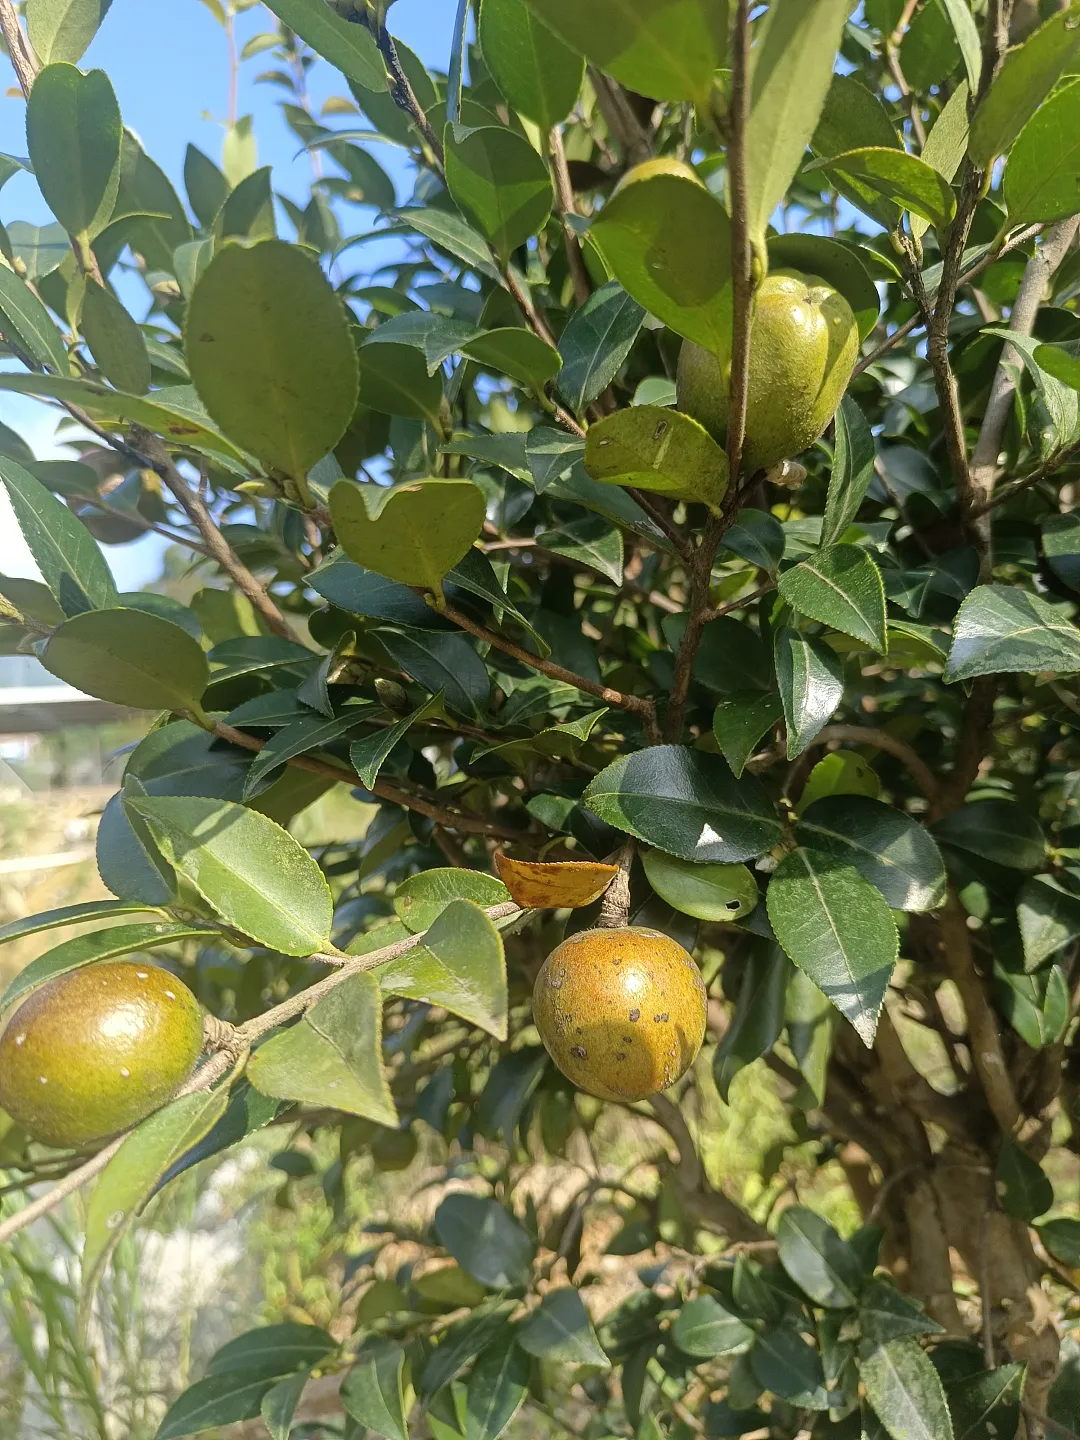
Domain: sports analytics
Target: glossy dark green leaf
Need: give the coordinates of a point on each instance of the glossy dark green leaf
(905, 1391)
(841, 587)
(420, 899)
(757, 537)
(129, 657)
(497, 1389)
(27, 323)
(73, 133)
(461, 966)
(253, 873)
(590, 541)
(560, 1331)
(1061, 546)
(657, 449)
(413, 533)
(808, 1019)
(362, 592)
(271, 355)
(70, 562)
(792, 71)
(536, 71)
(703, 1328)
(1062, 1239)
(686, 802)
(1049, 918)
(1024, 81)
(837, 927)
(596, 342)
(394, 380)
(886, 1313)
(500, 183)
(1003, 628)
(740, 721)
(1002, 831)
(224, 1399)
(1023, 1186)
(279, 1405)
(485, 1240)
(369, 754)
(273, 1350)
(823, 1266)
(667, 240)
(350, 48)
(1036, 1004)
(373, 1392)
(707, 892)
(811, 681)
(888, 848)
(853, 470)
(446, 663)
(783, 1362)
(313, 732)
(758, 1017)
(987, 1406)
(332, 1056)
(115, 341)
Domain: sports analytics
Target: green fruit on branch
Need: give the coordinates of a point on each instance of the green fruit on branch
(95, 1051)
(804, 343)
(621, 1011)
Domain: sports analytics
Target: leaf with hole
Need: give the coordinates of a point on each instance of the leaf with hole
(707, 892)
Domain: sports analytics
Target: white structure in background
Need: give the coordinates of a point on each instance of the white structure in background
(34, 703)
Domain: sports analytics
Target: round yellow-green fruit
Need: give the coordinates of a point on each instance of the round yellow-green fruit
(95, 1051)
(804, 343)
(621, 1011)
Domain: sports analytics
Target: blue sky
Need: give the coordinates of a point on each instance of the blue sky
(168, 62)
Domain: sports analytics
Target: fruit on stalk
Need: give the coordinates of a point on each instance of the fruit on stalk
(92, 1052)
(621, 1011)
(804, 343)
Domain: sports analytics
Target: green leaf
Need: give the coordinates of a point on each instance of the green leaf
(499, 181)
(497, 1389)
(437, 336)
(373, 1392)
(279, 1405)
(967, 37)
(811, 681)
(595, 343)
(560, 1331)
(311, 732)
(1062, 1239)
(1003, 628)
(349, 47)
(888, 848)
(450, 232)
(784, 1363)
(707, 892)
(1024, 81)
(539, 75)
(224, 1399)
(1023, 1187)
(792, 71)
(1042, 179)
(808, 1017)
(841, 773)
(420, 899)
(837, 264)
(460, 966)
(41, 248)
(947, 143)
(837, 927)
(897, 177)
(842, 588)
(987, 1406)
(590, 541)
(657, 449)
(1049, 919)
(413, 533)
(394, 380)
(853, 469)
(445, 664)
(115, 341)
(704, 1329)
(852, 116)
(886, 1313)
(147, 192)
(132, 1176)
(685, 802)
(129, 657)
(96, 946)
(248, 211)
(516, 352)
(271, 355)
(822, 1265)
(1001, 831)
(70, 562)
(28, 323)
(1061, 545)
(739, 723)
(253, 873)
(758, 1018)
(273, 1350)
(73, 133)
(1063, 363)
(668, 49)
(1036, 1005)
(485, 1240)
(62, 29)
(332, 1056)
(361, 592)
(903, 1387)
(1060, 401)
(459, 1344)
(65, 915)
(369, 754)
(667, 240)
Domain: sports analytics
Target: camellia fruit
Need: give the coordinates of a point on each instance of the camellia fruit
(95, 1051)
(621, 1011)
(804, 343)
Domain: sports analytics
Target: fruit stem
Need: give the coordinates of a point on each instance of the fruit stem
(615, 910)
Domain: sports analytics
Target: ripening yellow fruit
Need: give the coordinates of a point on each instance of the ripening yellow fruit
(95, 1051)
(621, 1011)
(804, 343)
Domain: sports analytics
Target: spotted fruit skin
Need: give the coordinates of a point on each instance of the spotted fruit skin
(621, 1011)
(97, 1050)
(804, 343)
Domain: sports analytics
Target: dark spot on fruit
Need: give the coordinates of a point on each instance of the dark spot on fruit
(663, 1017)
(579, 1052)
(620, 1055)
(656, 1019)
(627, 1039)
(635, 1015)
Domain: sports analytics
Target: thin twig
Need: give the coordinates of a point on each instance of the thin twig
(564, 192)
(1025, 482)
